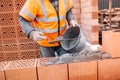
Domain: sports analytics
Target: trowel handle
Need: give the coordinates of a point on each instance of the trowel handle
(58, 39)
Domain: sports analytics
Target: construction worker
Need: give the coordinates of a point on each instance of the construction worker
(49, 18)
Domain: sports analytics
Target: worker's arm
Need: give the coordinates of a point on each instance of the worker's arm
(29, 30)
(70, 18)
(25, 24)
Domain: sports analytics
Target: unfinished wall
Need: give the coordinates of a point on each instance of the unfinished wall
(89, 20)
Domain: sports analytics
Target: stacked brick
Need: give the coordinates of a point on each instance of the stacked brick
(76, 10)
(13, 42)
(89, 20)
(32, 69)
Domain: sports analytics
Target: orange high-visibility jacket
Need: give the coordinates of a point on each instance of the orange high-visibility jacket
(45, 19)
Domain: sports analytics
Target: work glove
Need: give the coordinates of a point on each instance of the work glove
(73, 23)
(37, 36)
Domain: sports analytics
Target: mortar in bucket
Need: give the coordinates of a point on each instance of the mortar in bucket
(73, 40)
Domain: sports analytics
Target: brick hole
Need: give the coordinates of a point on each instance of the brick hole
(10, 4)
(1, 5)
(18, 4)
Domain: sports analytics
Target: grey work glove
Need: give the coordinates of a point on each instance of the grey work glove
(36, 35)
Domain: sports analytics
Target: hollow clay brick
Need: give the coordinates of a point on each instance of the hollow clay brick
(28, 55)
(22, 70)
(3, 66)
(52, 72)
(111, 43)
(109, 69)
(8, 32)
(10, 47)
(11, 56)
(26, 46)
(83, 71)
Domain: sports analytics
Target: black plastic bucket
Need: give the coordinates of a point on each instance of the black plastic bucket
(76, 40)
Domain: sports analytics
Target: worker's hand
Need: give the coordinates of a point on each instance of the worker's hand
(73, 23)
(36, 35)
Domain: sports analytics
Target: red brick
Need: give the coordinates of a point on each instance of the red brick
(3, 66)
(94, 2)
(11, 56)
(2, 76)
(22, 70)
(109, 69)
(95, 28)
(111, 42)
(52, 72)
(94, 15)
(83, 71)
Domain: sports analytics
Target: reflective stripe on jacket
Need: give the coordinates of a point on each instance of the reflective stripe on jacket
(45, 19)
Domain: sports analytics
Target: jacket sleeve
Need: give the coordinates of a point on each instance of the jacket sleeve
(69, 16)
(25, 25)
(29, 10)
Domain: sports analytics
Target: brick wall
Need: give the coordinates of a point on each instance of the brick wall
(86, 13)
(13, 42)
(76, 10)
(89, 19)
(32, 69)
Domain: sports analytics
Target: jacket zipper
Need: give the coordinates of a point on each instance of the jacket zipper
(57, 12)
